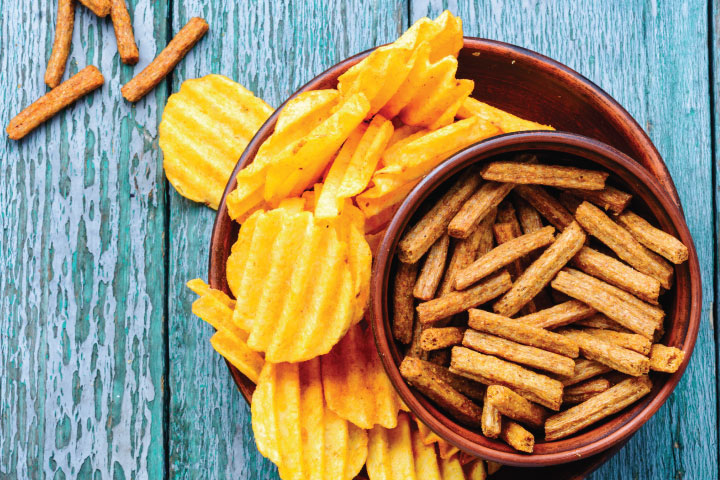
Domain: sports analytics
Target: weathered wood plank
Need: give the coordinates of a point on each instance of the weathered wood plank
(652, 57)
(272, 48)
(82, 206)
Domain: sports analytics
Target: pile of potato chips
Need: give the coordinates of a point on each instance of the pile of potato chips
(318, 194)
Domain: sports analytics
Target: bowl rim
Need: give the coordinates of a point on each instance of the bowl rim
(524, 141)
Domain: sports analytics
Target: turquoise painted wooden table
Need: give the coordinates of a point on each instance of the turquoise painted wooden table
(104, 371)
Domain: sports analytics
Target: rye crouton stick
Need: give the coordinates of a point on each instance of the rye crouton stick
(546, 205)
(602, 301)
(171, 55)
(608, 198)
(61, 45)
(599, 320)
(558, 315)
(631, 341)
(491, 419)
(455, 302)
(584, 369)
(75, 87)
(477, 207)
(620, 241)
(586, 390)
(654, 238)
(550, 175)
(542, 270)
(617, 273)
(101, 8)
(504, 232)
(432, 270)
(433, 224)
(521, 332)
(665, 359)
(403, 302)
(415, 349)
(528, 217)
(569, 201)
(514, 406)
(127, 48)
(458, 405)
(466, 251)
(517, 437)
(490, 370)
(437, 338)
(518, 353)
(600, 406)
(607, 353)
(503, 255)
(470, 388)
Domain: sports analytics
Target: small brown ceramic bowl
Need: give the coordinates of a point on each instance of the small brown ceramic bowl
(682, 302)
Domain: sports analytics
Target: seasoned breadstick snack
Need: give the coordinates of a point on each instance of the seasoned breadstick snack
(631, 341)
(101, 8)
(542, 270)
(546, 205)
(607, 353)
(477, 207)
(491, 419)
(432, 270)
(586, 390)
(529, 218)
(584, 369)
(503, 255)
(558, 315)
(403, 306)
(654, 238)
(550, 175)
(666, 359)
(61, 45)
(599, 225)
(127, 48)
(421, 237)
(437, 338)
(77, 86)
(514, 406)
(600, 406)
(469, 388)
(171, 55)
(609, 198)
(599, 320)
(517, 437)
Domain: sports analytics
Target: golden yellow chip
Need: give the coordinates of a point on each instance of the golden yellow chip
(476, 470)
(298, 118)
(295, 429)
(355, 383)
(204, 129)
(446, 450)
(505, 121)
(451, 468)
(235, 267)
(217, 313)
(296, 295)
(354, 166)
(236, 351)
(428, 436)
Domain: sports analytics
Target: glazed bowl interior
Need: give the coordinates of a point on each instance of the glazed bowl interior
(512, 78)
(682, 303)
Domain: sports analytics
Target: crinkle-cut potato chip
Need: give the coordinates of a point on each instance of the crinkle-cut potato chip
(295, 429)
(401, 454)
(235, 267)
(302, 282)
(204, 129)
(505, 121)
(298, 118)
(299, 165)
(355, 383)
(354, 166)
(236, 351)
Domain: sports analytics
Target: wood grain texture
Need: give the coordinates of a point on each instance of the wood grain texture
(652, 57)
(82, 285)
(272, 48)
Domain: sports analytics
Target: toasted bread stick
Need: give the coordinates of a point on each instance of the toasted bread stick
(458, 405)
(542, 270)
(546, 205)
(61, 45)
(171, 55)
(503, 255)
(514, 406)
(617, 273)
(600, 406)
(585, 390)
(77, 86)
(599, 320)
(432, 270)
(437, 338)
(101, 8)
(622, 242)
(470, 388)
(654, 238)
(479, 205)
(415, 349)
(491, 419)
(522, 354)
(665, 359)
(631, 341)
(528, 217)
(122, 24)
(559, 315)
(608, 198)
(607, 353)
(403, 302)
(584, 369)
(418, 240)
(569, 201)
(538, 174)
(455, 302)
(490, 370)
(517, 437)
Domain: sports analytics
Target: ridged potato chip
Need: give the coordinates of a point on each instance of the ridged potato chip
(216, 308)
(298, 118)
(353, 167)
(302, 284)
(295, 429)
(505, 121)
(355, 383)
(429, 437)
(204, 129)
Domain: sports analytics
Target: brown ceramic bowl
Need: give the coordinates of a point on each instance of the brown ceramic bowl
(682, 303)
